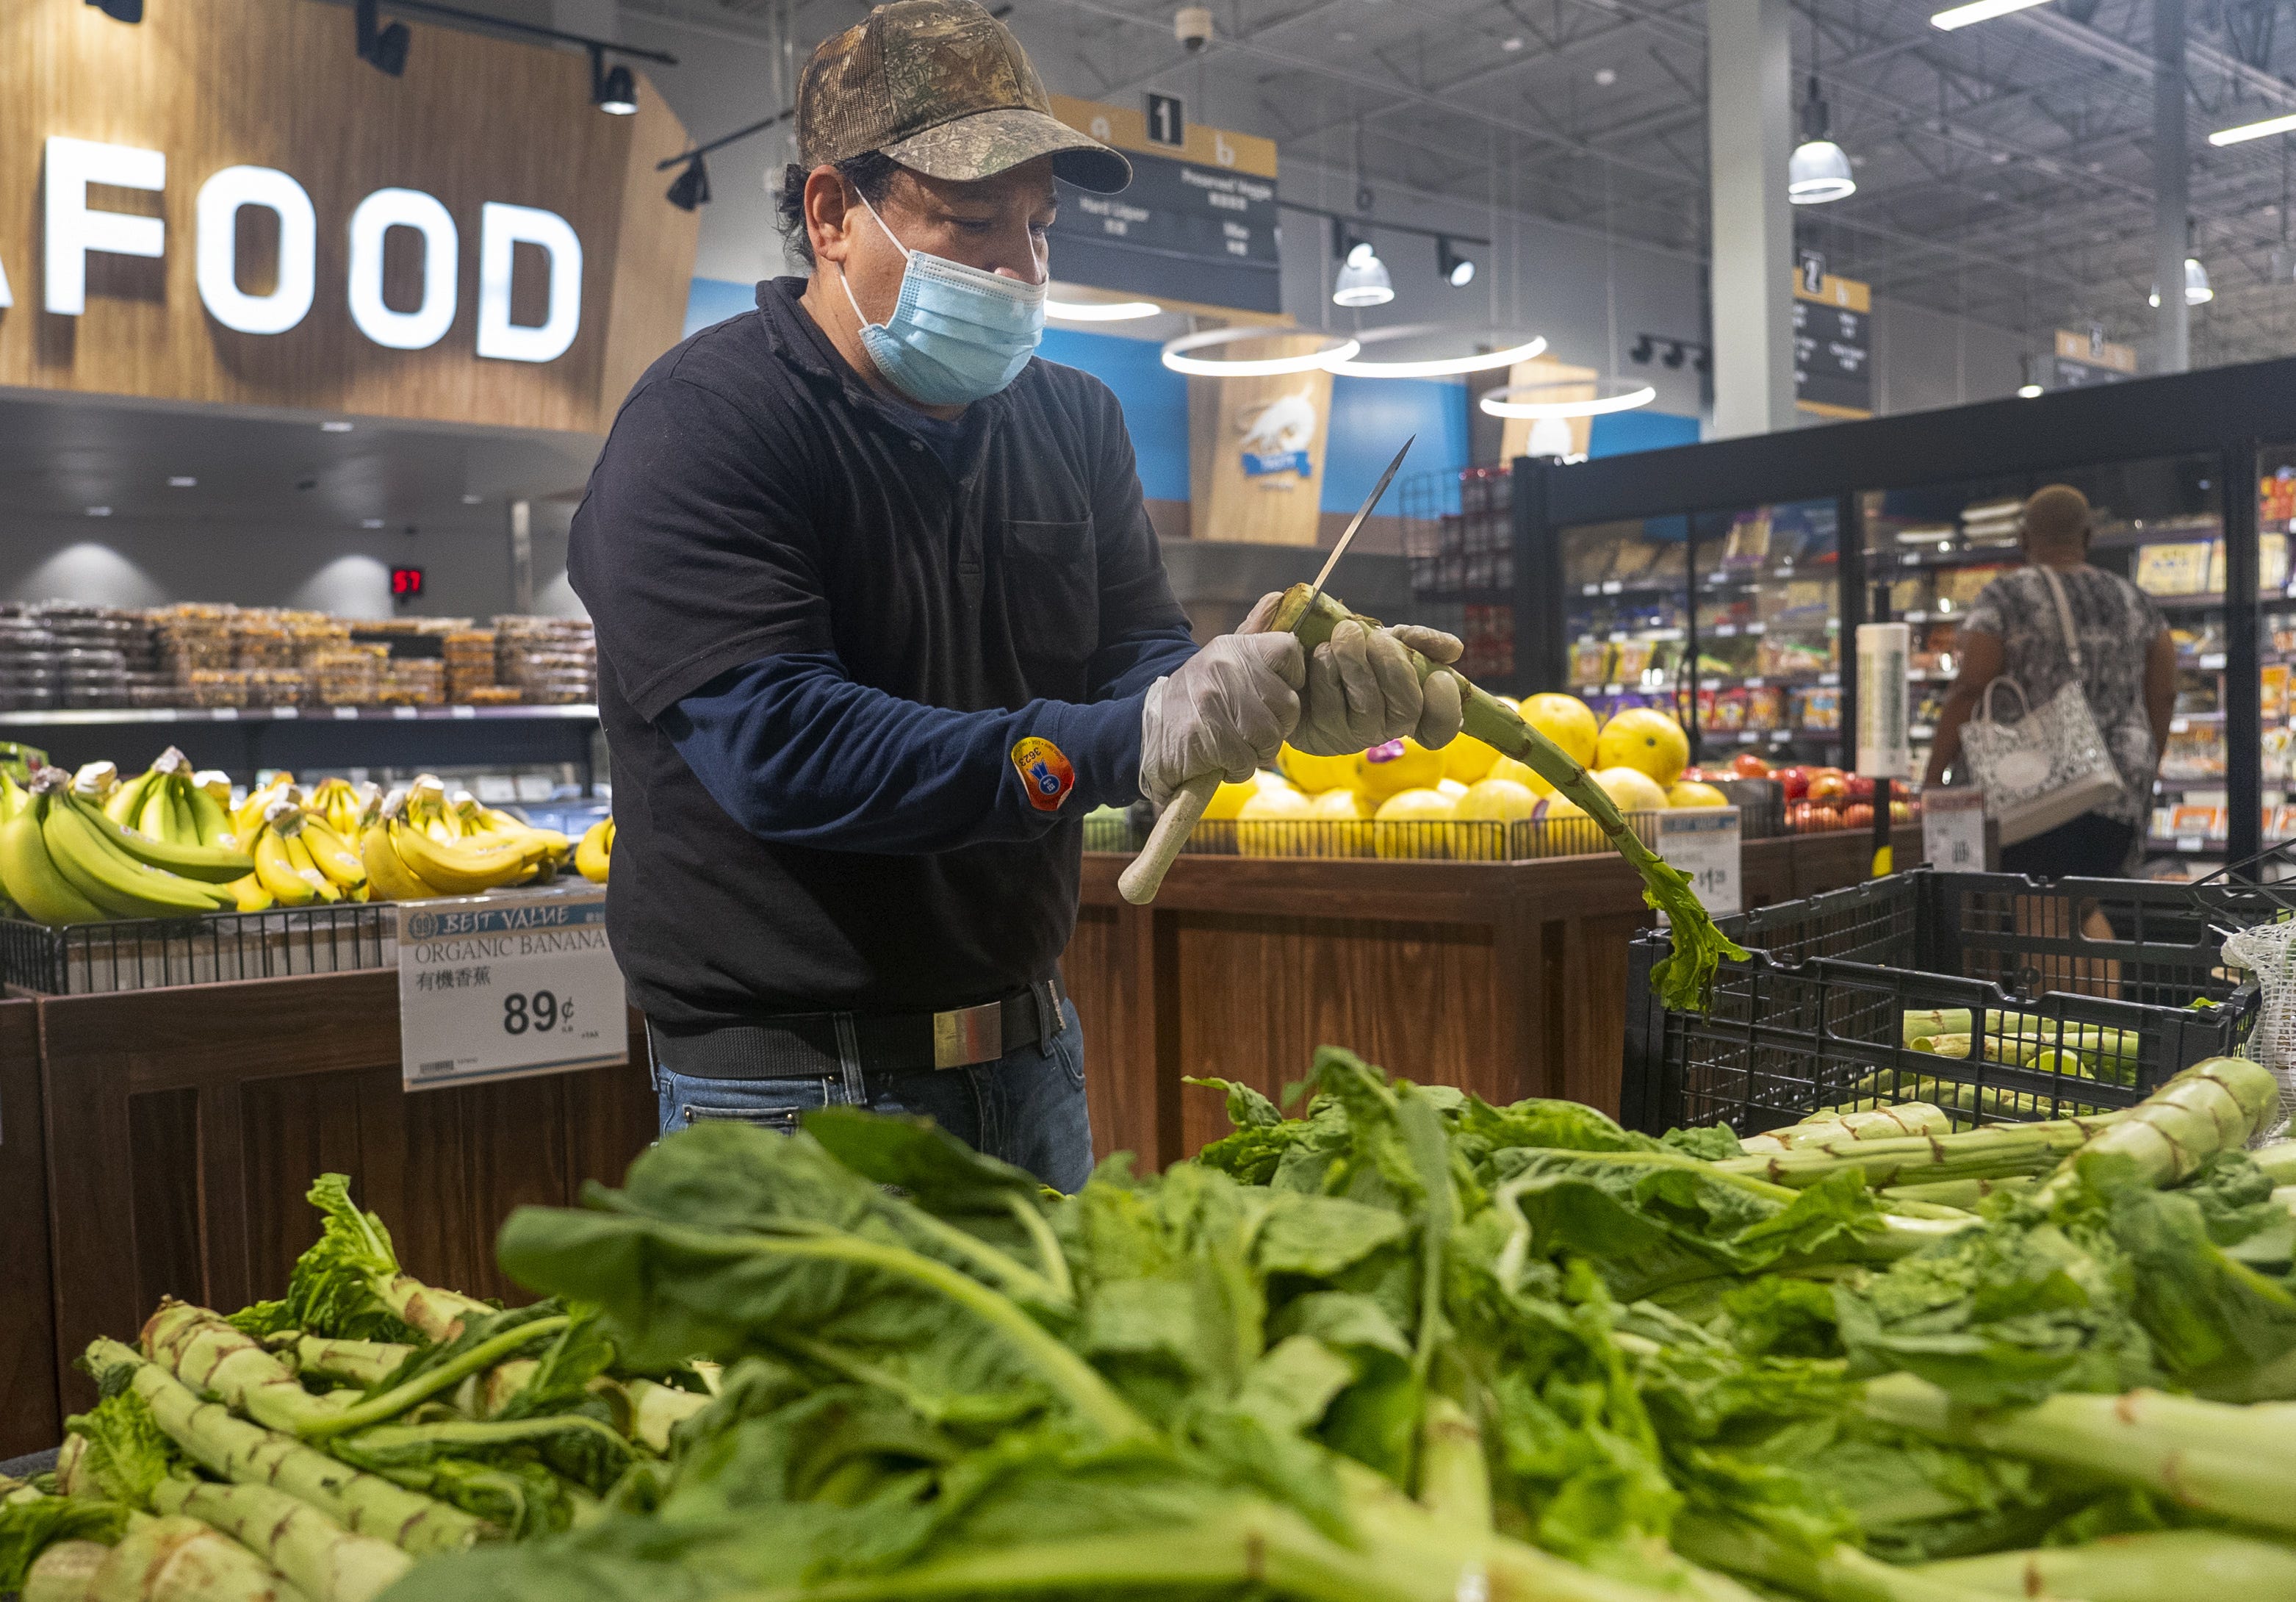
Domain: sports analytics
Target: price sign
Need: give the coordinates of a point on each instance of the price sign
(496, 987)
(1953, 829)
(1702, 841)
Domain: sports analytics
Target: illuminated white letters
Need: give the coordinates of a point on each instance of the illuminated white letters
(377, 214)
(220, 199)
(501, 228)
(73, 230)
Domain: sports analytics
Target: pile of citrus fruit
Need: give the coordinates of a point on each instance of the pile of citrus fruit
(1638, 758)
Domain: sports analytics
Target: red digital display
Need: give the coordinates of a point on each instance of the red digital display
(405, 583)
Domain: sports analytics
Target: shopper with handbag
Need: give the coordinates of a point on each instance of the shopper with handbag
(2089, 657)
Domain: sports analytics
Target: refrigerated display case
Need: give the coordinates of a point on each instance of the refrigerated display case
(1768, 631)
(1625, 599)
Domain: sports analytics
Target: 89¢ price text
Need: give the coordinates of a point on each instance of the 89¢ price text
(539, 1011)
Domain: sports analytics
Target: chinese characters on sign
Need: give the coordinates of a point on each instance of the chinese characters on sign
(493, 987)
(1702, 841)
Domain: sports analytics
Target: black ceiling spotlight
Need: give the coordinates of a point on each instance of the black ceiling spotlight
(385, 48)
(120, 11)
(612, 89)
(1674, 356)
(1642, 350)
(1458, 271)
(690, 188)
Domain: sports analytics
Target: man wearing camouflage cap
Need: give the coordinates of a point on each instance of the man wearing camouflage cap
(881, 616)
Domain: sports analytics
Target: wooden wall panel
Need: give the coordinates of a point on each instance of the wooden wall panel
(275, 83)
(30, 1419)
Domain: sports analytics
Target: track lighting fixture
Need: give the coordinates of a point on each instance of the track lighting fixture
(1674, 356)
(1458, 271)
(383, 48)
(1642, 350)
(120, 11)
(612, 89)
(690, 188)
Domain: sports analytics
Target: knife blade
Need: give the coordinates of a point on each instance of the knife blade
(1347, 535)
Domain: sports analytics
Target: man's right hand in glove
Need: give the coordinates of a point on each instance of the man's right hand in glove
(1225, 711)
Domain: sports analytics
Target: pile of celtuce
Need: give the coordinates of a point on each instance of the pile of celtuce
(1407, 1347)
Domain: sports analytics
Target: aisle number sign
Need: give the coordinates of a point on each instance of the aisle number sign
(1702, 841)
(501, 986)
(1952, 828)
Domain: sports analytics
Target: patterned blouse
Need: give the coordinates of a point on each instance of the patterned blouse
(2118, 623)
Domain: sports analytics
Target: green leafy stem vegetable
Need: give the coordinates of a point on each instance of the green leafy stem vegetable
(1685, 979)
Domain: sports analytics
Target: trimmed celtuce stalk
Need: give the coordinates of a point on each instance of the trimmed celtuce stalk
(1966, 1102)
(1685, 979)
(2231, 1462)
(179, 1559)
(2278, 1161)
(361, 1363)
(1881, 1123)
(328, 1563)
(1928, 1023)
(1843, 1574)
(2212, 1106)
(1455, 1482)
(248, 1454)
(1963, 1194)
(215, 1359)
(2134, 1568)
(64, 1573)
(656, 1409)
(1997, 1151)
(445, 1377)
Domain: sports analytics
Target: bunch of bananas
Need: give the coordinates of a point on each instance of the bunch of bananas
(299, 858)
(66, 858)
(421, 842)
(596, 850)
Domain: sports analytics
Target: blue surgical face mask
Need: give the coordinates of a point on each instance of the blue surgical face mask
(957, 334)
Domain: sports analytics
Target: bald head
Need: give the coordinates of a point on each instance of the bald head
(2056, 523)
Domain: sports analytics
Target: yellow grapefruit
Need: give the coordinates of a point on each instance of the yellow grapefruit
(1648, 740)
(1568, 721)
(1492, 801)
(1228, 799)
(1398, 766)
(1265, 826)
(1467, 758)
(1689, 793)
(1343, 820)
(1425, 810)
(1316, 775)
(1631, 790)
(1521, 773)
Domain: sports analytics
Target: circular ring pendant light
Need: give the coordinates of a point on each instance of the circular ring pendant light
(1336, 347)
(1547, 399)
(1101, 311)
(1447, 366)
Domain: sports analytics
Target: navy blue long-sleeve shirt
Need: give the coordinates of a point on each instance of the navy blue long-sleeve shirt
(798, 752)
(862, 674)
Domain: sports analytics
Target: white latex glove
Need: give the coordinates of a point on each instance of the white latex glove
(1225, 712)
(1362, 691)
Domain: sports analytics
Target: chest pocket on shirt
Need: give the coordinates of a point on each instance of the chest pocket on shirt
(1051, 592)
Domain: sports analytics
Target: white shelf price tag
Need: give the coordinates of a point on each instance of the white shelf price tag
(1702, 841)
(499, 987)
(1953, 829)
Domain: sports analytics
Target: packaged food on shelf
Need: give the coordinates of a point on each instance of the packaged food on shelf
(2272, 688)
(2276, 746)
(2195, 752)
(1766, 708)
(1590, 663)
(2177, 568)
(2276, 495)
(1818, 707)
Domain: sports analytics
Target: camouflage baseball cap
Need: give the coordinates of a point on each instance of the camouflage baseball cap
(942, 88)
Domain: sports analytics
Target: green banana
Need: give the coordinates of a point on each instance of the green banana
(29, 875)
(212, 863)
(210, 824)
(126, 804)
(151, 817)
(107, 876)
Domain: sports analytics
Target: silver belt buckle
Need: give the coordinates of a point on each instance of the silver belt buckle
(969, 1035)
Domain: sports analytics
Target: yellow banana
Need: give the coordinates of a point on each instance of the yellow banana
(387, 876)
(253, 896)
(331, 854)
(298, 852)
(30, 874)
(275, 870)
(110, 877)
(212, 863)
(592, 857)
(462, 870)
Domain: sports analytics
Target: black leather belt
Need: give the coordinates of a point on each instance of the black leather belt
(825, 1045)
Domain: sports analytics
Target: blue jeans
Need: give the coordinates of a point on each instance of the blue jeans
(1026, 1108)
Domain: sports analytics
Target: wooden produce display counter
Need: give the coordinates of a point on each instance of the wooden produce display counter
(159, 1142)
(1505, 979)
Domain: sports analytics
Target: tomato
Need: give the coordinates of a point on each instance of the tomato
(1828, 784)
(1746, 765)
(1796, 781)
(1698, 776)
(1857, 816)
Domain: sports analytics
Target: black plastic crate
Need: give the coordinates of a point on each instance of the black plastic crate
(1813, 1018)
(142, 953)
